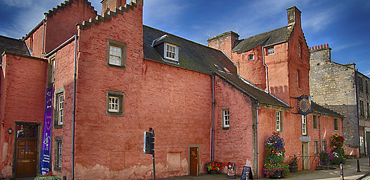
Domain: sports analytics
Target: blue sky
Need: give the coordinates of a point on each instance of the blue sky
(345, 25)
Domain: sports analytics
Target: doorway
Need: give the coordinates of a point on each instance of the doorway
(194, 161)
(26, 150)
(306, 156)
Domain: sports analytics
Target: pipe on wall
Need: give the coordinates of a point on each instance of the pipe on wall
(213, 118)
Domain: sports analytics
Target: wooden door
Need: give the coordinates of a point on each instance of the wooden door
(26, 158)
(194, 161)
(305, 158)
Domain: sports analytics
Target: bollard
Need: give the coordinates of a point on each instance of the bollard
(327, 164)
(358, 165)
(341, 172)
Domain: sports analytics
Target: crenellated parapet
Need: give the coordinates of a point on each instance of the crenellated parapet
(108, 15)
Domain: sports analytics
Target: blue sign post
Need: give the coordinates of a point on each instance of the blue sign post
(46, 137)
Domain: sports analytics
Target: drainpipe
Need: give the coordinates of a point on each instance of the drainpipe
(43, 37)
(266, 69)
(257, 142)
(213, 118)
(74, 108)
(358, 116)
(320, 131)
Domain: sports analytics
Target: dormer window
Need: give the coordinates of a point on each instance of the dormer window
(171, 52)
(270, 51)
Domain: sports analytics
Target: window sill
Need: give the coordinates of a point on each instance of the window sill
(225, 128)
(58, 126)
(114, 113)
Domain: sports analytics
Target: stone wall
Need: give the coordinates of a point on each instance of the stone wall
(332, 85)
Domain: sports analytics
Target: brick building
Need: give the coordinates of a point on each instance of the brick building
(342, 88)
(114, 78)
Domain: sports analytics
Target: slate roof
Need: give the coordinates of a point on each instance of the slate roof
(320, 109)
(203, 59)
(265, 39)
(15, 46)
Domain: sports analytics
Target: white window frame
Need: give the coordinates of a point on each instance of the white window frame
(278, 121)
(226, 118)
(116, 49)
(304, 125)
(60, 108)
(171, 52)
(113, 103)
(115, 55)
(324, 145)
(270, 51)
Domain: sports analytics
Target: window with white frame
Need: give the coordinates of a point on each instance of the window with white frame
(251, 57)
(304, 125)
(58, 154)
(60, 108)
(116, 54)
(171, 52)
(270, 50)
(226, 118)
(115, 103)
(279, 121)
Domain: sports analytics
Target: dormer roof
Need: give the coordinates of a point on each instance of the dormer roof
(269, 38)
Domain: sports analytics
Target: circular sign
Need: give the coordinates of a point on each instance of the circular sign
(304, 105)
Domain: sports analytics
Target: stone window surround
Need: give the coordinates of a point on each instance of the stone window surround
(121, 96)
(336, 127)
(314, 122)
(58, 91)
(123, 47)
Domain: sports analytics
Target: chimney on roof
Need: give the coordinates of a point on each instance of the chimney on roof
(294, 16)
(111, 5)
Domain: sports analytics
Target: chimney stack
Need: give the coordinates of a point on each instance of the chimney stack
(294, 16)
(111, 5)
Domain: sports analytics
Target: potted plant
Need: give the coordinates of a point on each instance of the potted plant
(48, 176)
(293, 165)
(213, 166)
(274, 157)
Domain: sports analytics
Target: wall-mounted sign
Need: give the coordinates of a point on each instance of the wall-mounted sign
(305, 138)
(304, 104)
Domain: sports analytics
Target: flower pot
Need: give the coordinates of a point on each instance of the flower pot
(212, 172)
(293, 169)
(277, 175)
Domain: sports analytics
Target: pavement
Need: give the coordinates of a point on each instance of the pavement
(349, 172)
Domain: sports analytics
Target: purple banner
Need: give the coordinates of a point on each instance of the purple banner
(46, 135)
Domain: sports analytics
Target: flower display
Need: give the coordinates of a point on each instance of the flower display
(337, 141)
(213, 166)
(48, 176)
(274, 157)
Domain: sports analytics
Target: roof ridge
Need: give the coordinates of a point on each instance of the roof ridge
(11, 38)
(108, 15)
(183, 38)
(256, 87)
(265, 32)
(64, 4)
